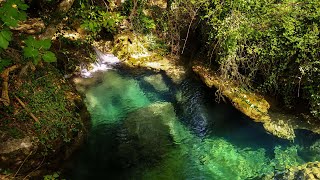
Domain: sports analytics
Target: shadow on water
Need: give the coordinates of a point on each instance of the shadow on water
(208, 140)
(206, 117)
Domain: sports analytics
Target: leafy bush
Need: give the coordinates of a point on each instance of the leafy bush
(95, 19)
(140, 21)
(11, 13)
(38, 49)
(274, 44)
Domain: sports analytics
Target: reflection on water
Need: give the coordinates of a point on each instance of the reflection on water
(144, 127)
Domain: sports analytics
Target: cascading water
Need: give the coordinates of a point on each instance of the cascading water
(146, 127)
(103, 63)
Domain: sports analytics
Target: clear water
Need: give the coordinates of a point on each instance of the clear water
(145, 127)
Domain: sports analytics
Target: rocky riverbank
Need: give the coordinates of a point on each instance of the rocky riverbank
(256, 106)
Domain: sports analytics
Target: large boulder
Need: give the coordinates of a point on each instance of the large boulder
(148, 134)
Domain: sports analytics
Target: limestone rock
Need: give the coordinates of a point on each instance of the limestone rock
(15, 145)
(133, 49)
(251, 104)
(13, 152)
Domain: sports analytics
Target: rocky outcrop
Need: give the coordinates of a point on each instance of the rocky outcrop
(255, 106)
(133, 50)
(14, 152)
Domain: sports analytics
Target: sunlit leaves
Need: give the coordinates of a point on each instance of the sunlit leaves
(11, 14)
(38, 49)
(5, 37)
(49, 56)
(271, 40)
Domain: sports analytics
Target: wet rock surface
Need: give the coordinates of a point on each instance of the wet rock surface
(132, 49)
(256, 107)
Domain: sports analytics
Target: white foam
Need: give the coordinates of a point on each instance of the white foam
(103, 63)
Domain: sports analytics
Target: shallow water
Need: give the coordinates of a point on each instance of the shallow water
(145, 127)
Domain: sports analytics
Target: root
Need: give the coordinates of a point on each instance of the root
(5, 84)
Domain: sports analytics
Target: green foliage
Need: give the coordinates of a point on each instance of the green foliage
(12, 11)
(95, 19)
(46, 93)
(4, 63)
(141, 22)
(99, 20)
(5, 37)
(38, 49)
(277, 41)
(53, 176)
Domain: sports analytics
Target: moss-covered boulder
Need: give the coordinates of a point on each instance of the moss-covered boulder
(148, 133)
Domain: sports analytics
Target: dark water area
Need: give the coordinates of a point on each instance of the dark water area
(146, 127)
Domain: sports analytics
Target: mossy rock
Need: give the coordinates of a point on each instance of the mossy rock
(135, 51)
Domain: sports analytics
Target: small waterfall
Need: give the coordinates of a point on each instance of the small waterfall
(103, 63)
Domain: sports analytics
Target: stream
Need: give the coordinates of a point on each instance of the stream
(146, 127)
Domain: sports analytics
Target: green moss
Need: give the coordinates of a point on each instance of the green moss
(50, 99)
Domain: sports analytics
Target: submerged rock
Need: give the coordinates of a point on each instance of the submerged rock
(157, 82)
(147, 132)
(310, 170)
